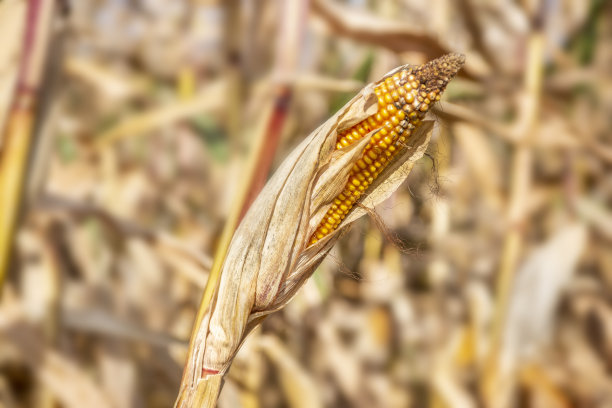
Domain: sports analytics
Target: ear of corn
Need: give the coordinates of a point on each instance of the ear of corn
(269, 256)
(403, 100)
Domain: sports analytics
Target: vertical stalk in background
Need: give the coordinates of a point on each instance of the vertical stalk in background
(497, 381)
(293, 23)
(18, 134)
(266, 140)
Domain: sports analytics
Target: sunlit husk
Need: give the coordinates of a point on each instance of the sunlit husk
(270, 255)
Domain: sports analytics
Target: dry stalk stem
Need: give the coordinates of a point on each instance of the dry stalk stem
(271, 253)
(18, 134)
(496, 383)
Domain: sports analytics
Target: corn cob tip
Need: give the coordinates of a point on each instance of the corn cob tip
(436, 74)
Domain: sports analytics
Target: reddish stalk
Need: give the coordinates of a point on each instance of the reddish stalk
(18, 135)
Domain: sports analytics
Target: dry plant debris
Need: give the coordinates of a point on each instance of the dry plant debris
(483, 280)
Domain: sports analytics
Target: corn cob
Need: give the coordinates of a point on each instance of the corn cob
(403, 100)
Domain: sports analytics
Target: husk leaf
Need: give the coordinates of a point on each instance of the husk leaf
(269, 258)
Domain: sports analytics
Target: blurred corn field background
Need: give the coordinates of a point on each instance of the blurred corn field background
(125, 127)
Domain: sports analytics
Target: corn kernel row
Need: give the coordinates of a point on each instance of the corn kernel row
(403, 100)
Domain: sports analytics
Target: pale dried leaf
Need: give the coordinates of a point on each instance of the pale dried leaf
(537, 290)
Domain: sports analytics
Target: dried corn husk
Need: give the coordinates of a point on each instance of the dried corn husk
(269, 257)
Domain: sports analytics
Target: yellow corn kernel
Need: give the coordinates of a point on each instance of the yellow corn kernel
(403, 100)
